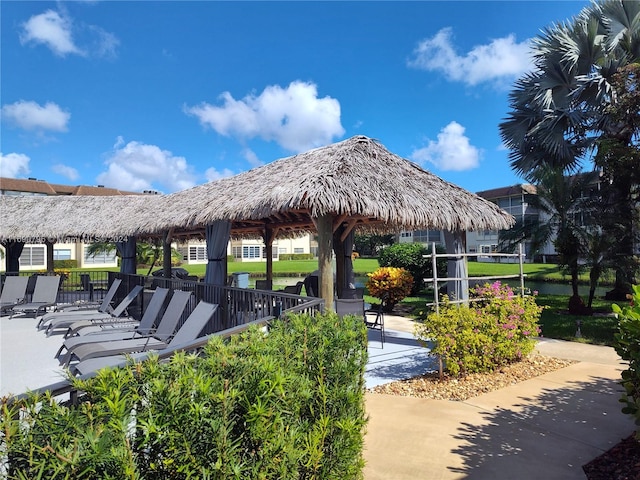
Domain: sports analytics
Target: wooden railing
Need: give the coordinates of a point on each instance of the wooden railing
(435, 280)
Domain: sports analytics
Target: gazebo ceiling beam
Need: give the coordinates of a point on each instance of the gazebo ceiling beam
(337, 221)
(350, 226)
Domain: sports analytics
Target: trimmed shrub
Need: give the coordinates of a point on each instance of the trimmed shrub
(295, 256)
(411, 257)
(65, 264)
(390, 285)
(497, 328)
(627, 345)
(284, 404)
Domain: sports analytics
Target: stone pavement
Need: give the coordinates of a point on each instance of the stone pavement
(543, 428)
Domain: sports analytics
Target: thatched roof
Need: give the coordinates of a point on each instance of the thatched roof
(357, 180)
(36, 218)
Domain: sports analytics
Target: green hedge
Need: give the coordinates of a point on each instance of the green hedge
(65, 264)
(296, 256)
(627, 345)
(411, 257)
(288, 404)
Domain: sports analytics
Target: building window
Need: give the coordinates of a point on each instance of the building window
(488, 248)
(274, 252)
(427, 236)
(62, 254)
(32, 257)
(282, 250)
(100, 257)
(236, 252)
(197, 253)
(298, 250)
(251, 251)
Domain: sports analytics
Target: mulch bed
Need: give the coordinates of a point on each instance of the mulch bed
(621, 462)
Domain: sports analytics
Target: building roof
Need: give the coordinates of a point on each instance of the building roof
(510, 191)
(34, 186)
(357, 179)
(358, 182)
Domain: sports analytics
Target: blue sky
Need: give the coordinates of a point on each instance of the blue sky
(167, 95)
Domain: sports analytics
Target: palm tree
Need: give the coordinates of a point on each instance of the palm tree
(560, 111)
(558, 201)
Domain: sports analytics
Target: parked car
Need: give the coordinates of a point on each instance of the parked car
(176, 272)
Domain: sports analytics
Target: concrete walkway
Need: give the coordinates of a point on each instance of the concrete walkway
(543, 428)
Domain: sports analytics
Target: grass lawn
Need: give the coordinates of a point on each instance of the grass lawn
(554, 321)
(287, 268)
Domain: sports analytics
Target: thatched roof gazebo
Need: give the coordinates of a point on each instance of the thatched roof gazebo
(356, 183)
(332, 190)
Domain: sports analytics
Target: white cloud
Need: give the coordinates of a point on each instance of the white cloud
(212, 174)
(502, 59)
(57, 31)
(452, 151)
(66, 171)
(104, 44)
(52, 30)
(252, 158)
(32, 116)
(136, 167)
(13, 165)
(294, 117)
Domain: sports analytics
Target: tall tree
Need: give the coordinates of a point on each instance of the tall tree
(558, 201)
(560, 112)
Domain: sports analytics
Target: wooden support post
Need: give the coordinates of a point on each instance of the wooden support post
(166, 253)
(324, 224)
(49, 245)
(268, 237)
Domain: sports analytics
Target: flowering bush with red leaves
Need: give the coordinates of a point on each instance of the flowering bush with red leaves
(390, 284)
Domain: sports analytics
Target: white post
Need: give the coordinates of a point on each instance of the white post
(434, 265)
(520, 254)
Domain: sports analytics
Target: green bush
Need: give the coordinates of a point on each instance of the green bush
(285, 404)
(65, 264)
(411, 257)
(295, 256)
(497, 328)
(627, 344)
